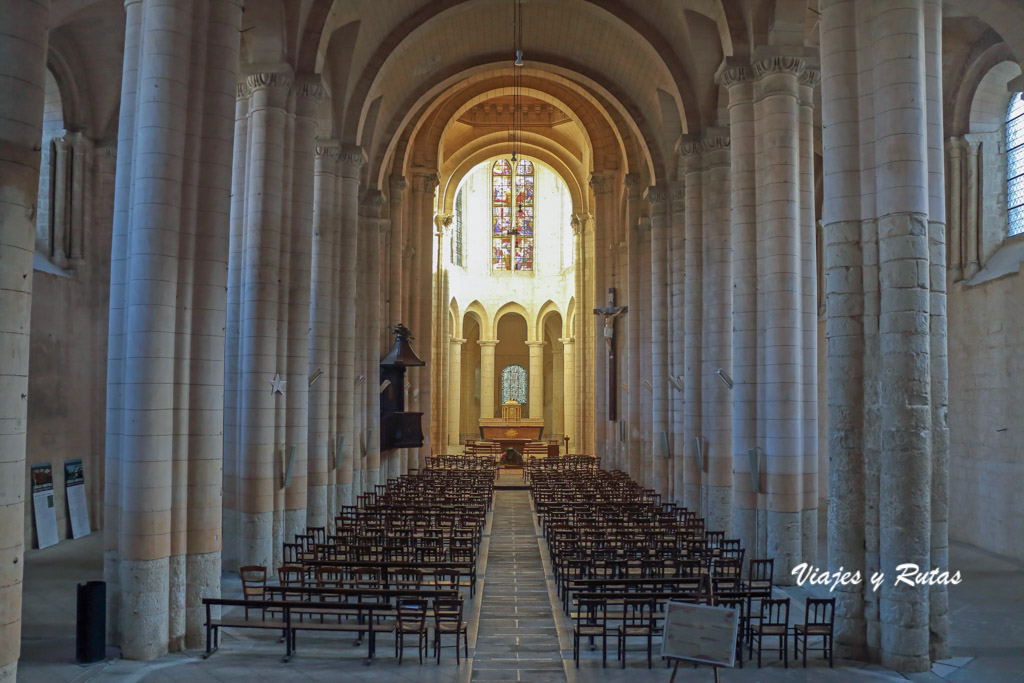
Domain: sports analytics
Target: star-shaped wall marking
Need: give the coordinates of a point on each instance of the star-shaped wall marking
(277, 384)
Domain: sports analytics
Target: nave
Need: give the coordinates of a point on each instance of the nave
(519, 618)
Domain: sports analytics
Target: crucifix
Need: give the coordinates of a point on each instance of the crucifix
(610, 313)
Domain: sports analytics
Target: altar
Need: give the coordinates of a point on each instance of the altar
(511, 430)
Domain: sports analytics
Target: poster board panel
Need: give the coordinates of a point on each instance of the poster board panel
(42, 502)
(74, 489)
(700, 633)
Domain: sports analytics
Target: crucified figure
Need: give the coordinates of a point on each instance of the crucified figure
(610, 313)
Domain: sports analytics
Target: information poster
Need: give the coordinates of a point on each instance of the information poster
(699, 633)
(78, 508)
(42, 501)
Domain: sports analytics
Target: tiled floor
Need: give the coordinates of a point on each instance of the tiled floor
(516, 627)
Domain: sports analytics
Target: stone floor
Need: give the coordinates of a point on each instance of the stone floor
(516, 627)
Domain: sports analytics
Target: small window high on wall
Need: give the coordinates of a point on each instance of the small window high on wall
(1015, 164)
(457, 232)
(512, 215)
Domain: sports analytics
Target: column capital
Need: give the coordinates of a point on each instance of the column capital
(534, 344)
(631, 181)
(601, 182)
(779, 64)
(955, 146)
(689, 145)
(425, 181)
(677, 191)
(714, 139)
(811, 76)
(274, 80)
(351, 159)
(733, 71)
(242, 90)
(578, 221)
(566, 341)
(657, 194)
(397, 184)
(327, 149)
(310, 86)
(442, 221)
(457, 341)
(487, 343)
(372, 202)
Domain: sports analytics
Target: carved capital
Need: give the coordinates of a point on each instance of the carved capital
(657, 194)
(677, 192)
(351, 159)
(278, 80)
(311, 87)
(242, 90)
(689, 146)
(734, 74)
(714, 142)
(810, 76)
(397, 184)
(373, 200)
(643, 223)
(442, 222)
(779, 64)
(601, 182)
(328, 150)
(631, 181)
(425, 182)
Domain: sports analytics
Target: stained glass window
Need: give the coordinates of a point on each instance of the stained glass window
(457, 233)
(513, 384)
(1015, 164)
(512, 215)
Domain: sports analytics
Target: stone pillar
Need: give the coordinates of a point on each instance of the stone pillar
(536, 378)
(777, 119)
(660, 305)
(397, 277)
(166, 345)
(370, 367)
(321, 310)
(738, 78)
(569, 392)
(23, 46)
(693, 478)
(717, 330)
(351, 161)
(631, 326)
(678, 348)
(487, 377)
(970, 229)
(884, 459)
(581, 354)
(261, 454)
(455, 391)
(605, 435)
(955, 148)
(421, 296)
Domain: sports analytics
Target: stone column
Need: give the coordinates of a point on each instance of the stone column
(738, 78)
(954, 148)
(604, 432)
(351, 160)
(678, 350)
(569, 392)
(397, 277)
(23, 46)
(487, 377)
(660, 304)
(454, 390)
(693, 478)
(632, 324)
(581, 273)
(421, 296)
(261, 453)
(536, 379)
(717, 329)
(321, 310)
(777, 118)
(373, 201)
(970, 228)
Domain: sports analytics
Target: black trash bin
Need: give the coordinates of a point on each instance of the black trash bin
(91, 634)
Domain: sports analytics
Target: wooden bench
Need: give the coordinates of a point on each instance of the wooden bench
(467, 569)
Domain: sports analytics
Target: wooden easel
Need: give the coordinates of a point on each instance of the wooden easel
(675, 669)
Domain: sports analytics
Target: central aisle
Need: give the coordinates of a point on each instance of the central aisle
(517, 639)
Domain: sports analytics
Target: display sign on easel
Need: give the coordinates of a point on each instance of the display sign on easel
(701, 634)
(78, 507)
(42, 502)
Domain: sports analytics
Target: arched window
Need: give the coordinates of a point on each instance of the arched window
(457, 233)
(512, 215)
(513, 384)
(1015, 164)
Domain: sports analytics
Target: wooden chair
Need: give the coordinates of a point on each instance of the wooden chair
(819, 620)
(254, 583)
(448, 621)
(412, 618)
(637, 622)
(591, 622)
(408, 579)
(738, 603)
(446, 579)
(773, 622)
